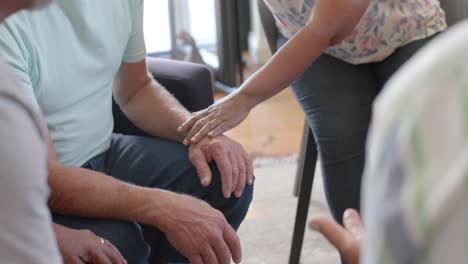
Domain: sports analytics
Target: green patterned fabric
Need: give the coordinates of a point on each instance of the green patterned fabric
(416, 186)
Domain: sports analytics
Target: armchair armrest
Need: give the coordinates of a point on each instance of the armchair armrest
(190, 83)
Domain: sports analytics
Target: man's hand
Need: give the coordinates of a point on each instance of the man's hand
(233, 163)
(198, 231)
(83, 246)
(347, 240)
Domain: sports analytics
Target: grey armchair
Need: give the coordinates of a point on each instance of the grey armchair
(190, 83)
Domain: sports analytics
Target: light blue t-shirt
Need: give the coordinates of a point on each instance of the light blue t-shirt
(67, 56)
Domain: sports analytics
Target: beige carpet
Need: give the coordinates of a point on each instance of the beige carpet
(267, 231)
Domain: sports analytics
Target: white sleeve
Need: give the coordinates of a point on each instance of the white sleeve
(26, 234)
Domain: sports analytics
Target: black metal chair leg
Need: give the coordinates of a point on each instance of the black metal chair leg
(307, 158)
(308, 161)
(301, 159)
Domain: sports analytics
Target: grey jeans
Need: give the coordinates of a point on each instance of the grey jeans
(337, 99)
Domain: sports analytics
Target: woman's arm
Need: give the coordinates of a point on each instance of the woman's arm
(330, 22)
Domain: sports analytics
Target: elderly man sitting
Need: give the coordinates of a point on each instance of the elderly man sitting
(136, 192)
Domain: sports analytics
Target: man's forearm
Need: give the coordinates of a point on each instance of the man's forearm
(156, 111)
(86, 193)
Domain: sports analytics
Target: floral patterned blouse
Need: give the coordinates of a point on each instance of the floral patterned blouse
(385, 26)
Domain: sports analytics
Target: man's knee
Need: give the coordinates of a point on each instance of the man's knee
(235, 209)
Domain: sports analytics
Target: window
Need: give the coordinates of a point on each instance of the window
(157, 27)
(212, 23)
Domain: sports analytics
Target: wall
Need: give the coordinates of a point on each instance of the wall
(456, 10)
(258, 46)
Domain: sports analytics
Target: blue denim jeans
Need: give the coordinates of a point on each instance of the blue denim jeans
(337, 99)
(158, 164)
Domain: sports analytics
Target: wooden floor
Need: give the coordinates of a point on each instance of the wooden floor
(273, 129)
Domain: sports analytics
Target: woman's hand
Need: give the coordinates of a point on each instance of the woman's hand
(218, 118)
(83, 246)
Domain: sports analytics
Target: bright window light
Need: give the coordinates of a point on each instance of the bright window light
(156, 26)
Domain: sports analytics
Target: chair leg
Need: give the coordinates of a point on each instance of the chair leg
(305, 190)
(301, 158)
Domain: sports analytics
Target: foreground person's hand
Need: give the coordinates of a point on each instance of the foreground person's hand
(199, 232)
(83, 246)
(347, 240)
(217, 119)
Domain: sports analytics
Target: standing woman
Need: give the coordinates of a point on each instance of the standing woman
(337, 55)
